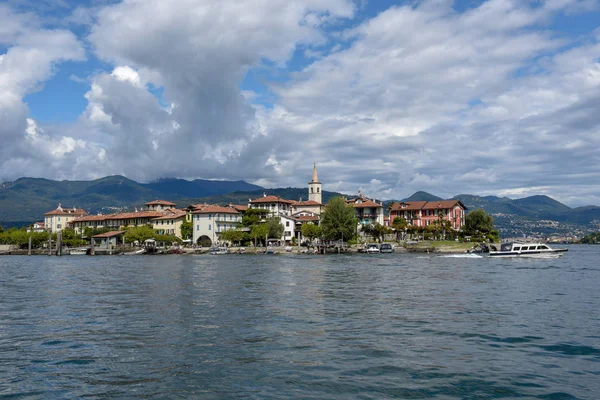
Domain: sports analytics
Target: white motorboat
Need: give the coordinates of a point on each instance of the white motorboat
(530, 250)
(78, 252)
(372, 249)
(218, 250)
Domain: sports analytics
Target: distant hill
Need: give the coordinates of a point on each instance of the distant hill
(27, 199)
(422, 196)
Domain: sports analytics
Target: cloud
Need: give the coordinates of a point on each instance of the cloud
(426, 98)
(419, 97)
(33, 53)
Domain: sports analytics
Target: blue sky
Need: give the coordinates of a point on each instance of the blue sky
(388, 97)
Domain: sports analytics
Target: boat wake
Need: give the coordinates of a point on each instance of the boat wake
(462, 256)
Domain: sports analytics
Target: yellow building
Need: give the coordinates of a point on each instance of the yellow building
(57, 220)
(170, 223)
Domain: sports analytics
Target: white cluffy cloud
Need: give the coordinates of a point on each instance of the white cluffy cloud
(419, 97)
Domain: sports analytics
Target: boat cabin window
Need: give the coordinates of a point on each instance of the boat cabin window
(542, 247)
(517, 249)
(506, 247)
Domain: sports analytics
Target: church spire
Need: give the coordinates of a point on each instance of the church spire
(315, 177)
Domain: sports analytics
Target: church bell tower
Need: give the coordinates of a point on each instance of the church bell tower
(314, 187)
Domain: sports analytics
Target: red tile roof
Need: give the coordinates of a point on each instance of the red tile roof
(426, 205)
(307, 218)
(132, 215)
(160, 203)
(409, 205)
(271, 199)
(171, 215)
(212, 208)
(431, 205)
(307, 203)
(366, 204)
(89, 218)
(239, 207)
(67, 211)
(108, 234)
(129, 215)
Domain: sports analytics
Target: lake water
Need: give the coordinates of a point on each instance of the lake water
(319, 327)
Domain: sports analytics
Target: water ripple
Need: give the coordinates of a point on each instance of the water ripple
(398, 326)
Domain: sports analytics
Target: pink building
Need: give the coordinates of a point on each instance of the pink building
(424, 213)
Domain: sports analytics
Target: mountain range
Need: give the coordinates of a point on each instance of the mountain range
(27, 199)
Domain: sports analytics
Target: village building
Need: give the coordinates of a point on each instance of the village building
(424, 213)
(106, 242)
(37, 227)
(170, 223)
(274, 206)
(115, 221)
(367, 211)
(309, 206)
(58, 219)
(211, 220)
(315, 187)
(159, 205)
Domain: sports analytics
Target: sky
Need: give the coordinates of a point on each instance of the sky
(497, 97)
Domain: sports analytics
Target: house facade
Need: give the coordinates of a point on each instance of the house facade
(273, 205)
(170, 223)
(59, 219)
(159, 205)
(108, 241)
(116, 221)
(211, 220)
(367, 211)
(425, 213)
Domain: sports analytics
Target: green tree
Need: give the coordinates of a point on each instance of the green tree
(259, 232)
(379, 232)
(480, 224)
(187, 230)
(233, 236)
(311, 231)
(253, 216)
(368, 230)
(139, 234)
(70, 238)
(399, 224)
(338, 221)
(275, 228)
(1, 229)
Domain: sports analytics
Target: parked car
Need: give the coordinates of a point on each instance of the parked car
(386, 248)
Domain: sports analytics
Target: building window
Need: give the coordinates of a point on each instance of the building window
(209, 216)
(197, 227)
(59, 218)
(287, 223)
(59, 226)
(318, 190)
(209, 227)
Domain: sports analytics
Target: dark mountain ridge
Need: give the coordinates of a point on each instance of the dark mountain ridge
(27, 199)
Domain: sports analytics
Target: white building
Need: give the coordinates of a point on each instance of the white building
(210, 220)
(273, 205)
